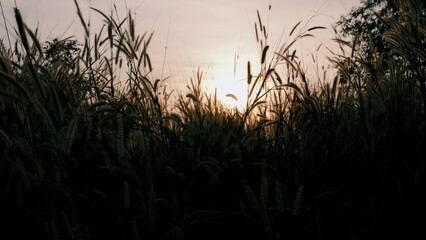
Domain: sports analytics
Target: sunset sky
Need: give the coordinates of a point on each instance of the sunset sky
(197, 33)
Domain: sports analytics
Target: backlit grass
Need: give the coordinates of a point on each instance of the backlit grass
(92, 148)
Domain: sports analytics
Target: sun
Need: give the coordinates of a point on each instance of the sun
(228, 77)
(231, 90)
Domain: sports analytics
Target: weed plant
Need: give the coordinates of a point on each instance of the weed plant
(87, 153)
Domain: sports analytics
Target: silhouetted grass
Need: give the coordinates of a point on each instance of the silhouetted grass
(87, 153)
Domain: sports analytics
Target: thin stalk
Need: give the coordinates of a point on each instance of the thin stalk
(5, 26)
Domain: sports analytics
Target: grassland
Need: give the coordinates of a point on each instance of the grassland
(83, 157)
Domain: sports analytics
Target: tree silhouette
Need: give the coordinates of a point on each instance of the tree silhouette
(364, 23)
(62, 51)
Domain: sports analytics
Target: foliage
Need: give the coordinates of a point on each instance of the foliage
(364, 23)
(63, 51)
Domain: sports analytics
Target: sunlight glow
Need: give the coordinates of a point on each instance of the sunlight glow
(231, 90)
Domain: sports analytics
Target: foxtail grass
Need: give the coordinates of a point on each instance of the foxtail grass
(91, 149)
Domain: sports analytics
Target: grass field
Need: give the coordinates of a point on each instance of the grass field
(85, 154)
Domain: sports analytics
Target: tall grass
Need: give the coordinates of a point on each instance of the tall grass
(87, 153)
